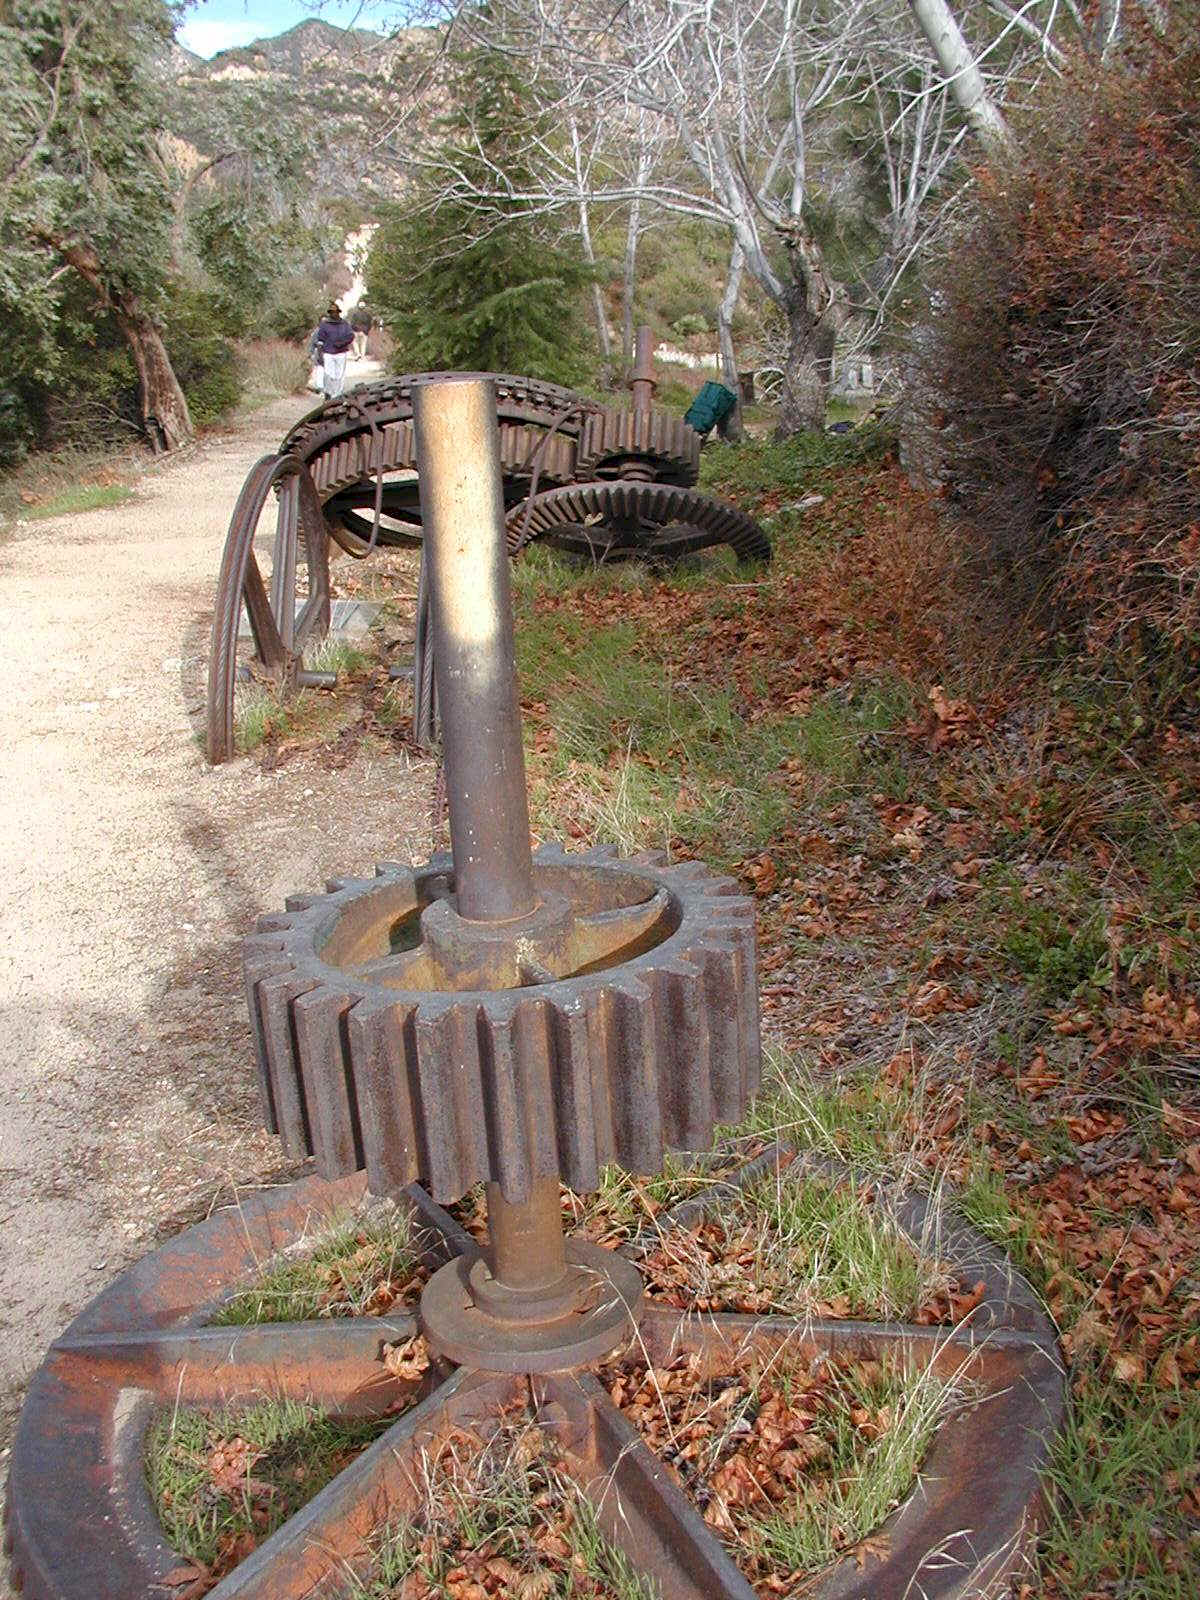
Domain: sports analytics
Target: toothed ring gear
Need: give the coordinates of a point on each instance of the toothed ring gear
(617, 1022)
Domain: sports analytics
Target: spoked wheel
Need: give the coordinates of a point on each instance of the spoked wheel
(284, 610)
(621, 521)
(81, 1524)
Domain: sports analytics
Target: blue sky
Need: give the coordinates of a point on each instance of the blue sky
(212, 25)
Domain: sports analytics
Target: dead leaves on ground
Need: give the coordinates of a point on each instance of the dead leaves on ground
(755, 1440)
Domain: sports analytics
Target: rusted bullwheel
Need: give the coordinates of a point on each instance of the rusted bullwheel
(262, 623)
(80, 1523)
(652, 522)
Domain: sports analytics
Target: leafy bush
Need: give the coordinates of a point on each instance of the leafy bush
(1063, 353)
(294, 308)
(694, 323)
(205, 361)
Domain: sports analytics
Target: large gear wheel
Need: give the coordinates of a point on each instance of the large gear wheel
(348, 491)
(647, 444)
(383, 1043)
(620, 521)
(337, 436)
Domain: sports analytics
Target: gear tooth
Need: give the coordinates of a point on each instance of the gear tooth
(340, 885)
(274, 922)
(302, 902)
(391, 869)
(273, 997)
(685, 1078)
(632, 1074)
(533, 1042)
(317, 1020)
(501, 1086)
(731, 990)
(449, 1078)
(383, 1061)
(257, 964)
(649, 858)
(584, 1137)
(550, 851)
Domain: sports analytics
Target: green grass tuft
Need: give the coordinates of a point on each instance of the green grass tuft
(79, 498)
(222, 1479)
(337, 1273)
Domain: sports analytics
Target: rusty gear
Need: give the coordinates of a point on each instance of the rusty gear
(617, 521)
(631, 1035)
(337, 441)
(647, 444)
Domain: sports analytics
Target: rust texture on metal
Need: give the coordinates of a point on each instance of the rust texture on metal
(348, 472)
(283, 621)
(572, 1065)
(508, 1017)
(462, 506)
(80, 1524)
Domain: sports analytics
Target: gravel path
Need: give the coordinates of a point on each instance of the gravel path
(128, 872)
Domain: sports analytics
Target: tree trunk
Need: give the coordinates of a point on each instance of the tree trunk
(165, 414)
(733, 282)
(984, 117)
(629, 281)
(589, 255)
(808, 370)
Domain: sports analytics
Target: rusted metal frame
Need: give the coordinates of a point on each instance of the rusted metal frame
(283, 562)
(960, 1531)
(462, 508)
(330, 1361)
(978, 1486)
(313, 618)
(79, 1516)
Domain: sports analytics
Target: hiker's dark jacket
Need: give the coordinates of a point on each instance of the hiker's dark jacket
(334, 338)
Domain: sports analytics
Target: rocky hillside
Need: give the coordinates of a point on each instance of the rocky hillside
(332, 85)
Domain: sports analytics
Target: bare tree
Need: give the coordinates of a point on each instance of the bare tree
(954, 57)
(735, 87)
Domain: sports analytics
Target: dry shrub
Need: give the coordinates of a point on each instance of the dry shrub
(1063, 353)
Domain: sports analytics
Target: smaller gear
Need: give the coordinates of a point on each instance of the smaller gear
(617, 1022)
(619, 521)
(641, 443)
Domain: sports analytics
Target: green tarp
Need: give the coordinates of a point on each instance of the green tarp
(712, 405)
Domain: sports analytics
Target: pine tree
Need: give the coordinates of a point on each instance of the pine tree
(485, 287)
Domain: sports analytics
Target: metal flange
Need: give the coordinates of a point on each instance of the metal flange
(80, 1525)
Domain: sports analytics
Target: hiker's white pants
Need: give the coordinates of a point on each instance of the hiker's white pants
(334, 374)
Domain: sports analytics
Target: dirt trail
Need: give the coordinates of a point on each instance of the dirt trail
(128, 872)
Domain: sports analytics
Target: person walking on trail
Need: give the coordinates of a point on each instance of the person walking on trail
(333, 339)
(360, 321)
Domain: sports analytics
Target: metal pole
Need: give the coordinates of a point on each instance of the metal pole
(527, 1240)
(644, 382)
(462, 513)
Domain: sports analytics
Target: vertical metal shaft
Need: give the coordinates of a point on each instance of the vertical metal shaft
(462, 513)
(643, 383)
(527, 1240)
